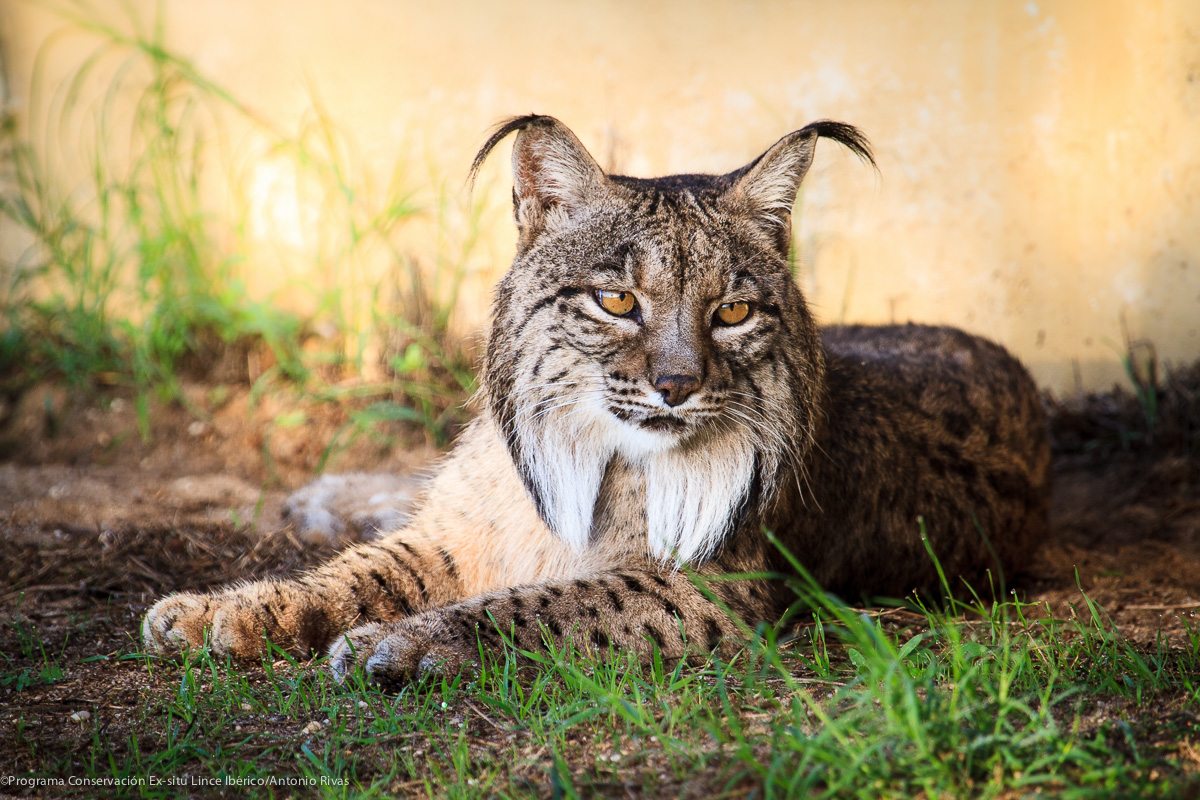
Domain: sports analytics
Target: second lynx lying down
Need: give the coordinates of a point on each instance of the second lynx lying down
(657, 393)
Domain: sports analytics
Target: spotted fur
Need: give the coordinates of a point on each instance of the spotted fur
(616, 449)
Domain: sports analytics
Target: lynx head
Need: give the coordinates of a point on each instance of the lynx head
(654, 320)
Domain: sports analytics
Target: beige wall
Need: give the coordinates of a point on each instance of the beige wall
(1040, 161)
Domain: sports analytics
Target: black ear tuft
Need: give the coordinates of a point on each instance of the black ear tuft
(510, 125)
(846, 135)
(767, 186)
(555, 179)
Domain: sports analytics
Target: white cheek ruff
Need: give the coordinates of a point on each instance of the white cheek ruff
(566, 460)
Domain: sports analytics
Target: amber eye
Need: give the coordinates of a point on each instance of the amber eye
(733, 313)
(620, 304)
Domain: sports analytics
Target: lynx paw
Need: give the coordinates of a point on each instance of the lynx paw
(177, 622)
(237, 622)
(400, 652)
(356, 505)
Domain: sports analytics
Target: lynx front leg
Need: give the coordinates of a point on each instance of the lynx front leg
(386, 580)
(637, 610)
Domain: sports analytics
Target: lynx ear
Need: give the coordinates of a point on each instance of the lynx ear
(554, 176)
(767, 186)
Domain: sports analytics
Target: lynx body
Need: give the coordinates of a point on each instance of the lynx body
(657, 395)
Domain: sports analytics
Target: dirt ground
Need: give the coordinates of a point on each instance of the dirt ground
(95, 523)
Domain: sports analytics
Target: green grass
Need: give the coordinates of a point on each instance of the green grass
(47, 668)
(135, 275)
(980, 699)
(978, 696)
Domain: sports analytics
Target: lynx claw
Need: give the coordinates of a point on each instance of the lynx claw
(397, 654)
(348, 649)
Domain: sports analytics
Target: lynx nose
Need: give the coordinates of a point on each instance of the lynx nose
(676, 388)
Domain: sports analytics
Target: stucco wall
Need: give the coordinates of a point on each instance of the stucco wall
(1040, 161)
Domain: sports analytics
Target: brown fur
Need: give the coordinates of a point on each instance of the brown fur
(566, 508)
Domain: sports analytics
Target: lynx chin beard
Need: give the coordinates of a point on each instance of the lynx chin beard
(699, 475)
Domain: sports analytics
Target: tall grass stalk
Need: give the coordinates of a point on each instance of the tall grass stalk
(137, 272)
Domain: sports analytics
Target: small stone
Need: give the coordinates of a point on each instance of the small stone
(363, 705)
(81, 716)
(246, 706)
(197, 428)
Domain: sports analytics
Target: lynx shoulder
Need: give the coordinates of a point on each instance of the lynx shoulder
(657, 394)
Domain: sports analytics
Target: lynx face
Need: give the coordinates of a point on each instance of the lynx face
(654, 321)
(639, 343)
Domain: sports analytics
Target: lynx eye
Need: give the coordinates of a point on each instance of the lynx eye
(733, 313)
(620, 304)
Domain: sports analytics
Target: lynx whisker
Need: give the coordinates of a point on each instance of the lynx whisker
(573, 400)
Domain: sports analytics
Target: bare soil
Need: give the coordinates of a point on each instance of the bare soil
(96, 522)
